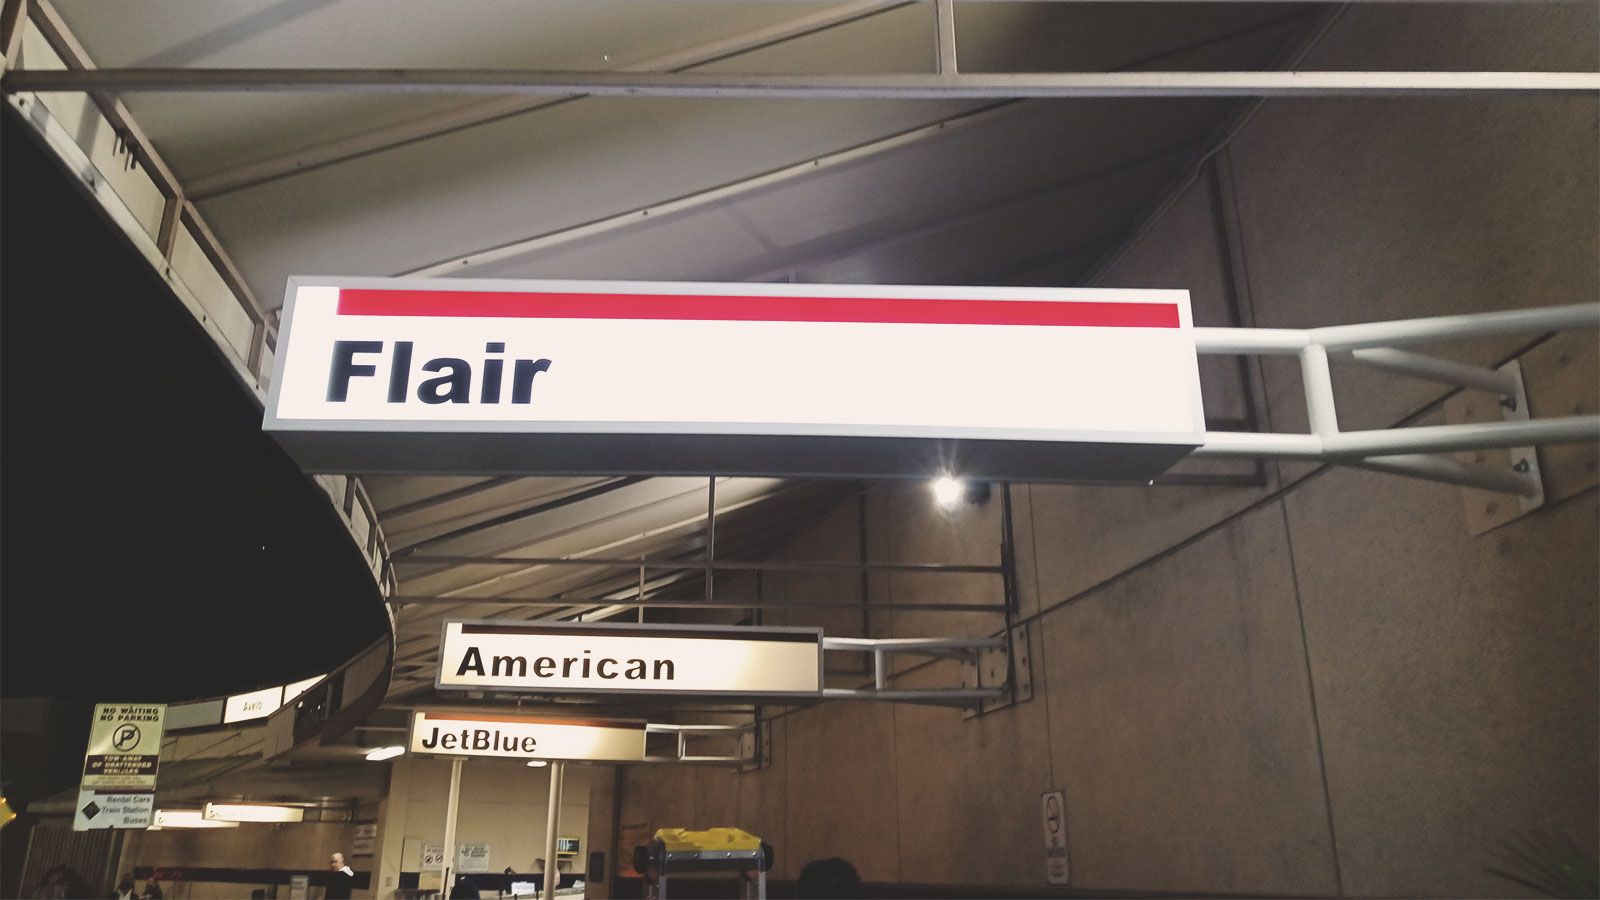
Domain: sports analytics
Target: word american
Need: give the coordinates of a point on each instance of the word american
(587, 666)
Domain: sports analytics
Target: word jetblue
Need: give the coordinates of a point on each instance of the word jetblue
(479, 739)
(452, 385)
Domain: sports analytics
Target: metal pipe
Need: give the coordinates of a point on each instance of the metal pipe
(910, 645)
(308, 158)
(1321, 409)
(552, 823)
(669, 728)
(957, 696)
(1455, 328)
(451, 805)
(696, 565)
(1258, 445)
(711, 534)
(944, 37)
(1431, 368)
(564, 602)
(884, 87)
(1221, 341)
(1472, 436)
(1451, 471)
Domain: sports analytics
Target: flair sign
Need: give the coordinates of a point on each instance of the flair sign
(594, 658)
(452, 375)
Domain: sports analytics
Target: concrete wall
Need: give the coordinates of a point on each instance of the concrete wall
(503, 803)
(1323, 685)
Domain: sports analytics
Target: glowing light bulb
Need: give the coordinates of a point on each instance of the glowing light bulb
(947, 490)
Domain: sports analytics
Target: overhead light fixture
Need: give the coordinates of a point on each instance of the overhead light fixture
(252, 812)
(537, 763)
(949, 490)
(186, 818)
(380, 754)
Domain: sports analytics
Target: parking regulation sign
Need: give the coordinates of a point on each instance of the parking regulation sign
(1055, 837)
(119, 768)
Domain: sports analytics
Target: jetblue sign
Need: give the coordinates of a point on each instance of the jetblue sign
(525, 737)
(445, 375)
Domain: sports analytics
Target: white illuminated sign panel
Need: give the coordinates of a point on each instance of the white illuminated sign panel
(525, 737)
(590, 657)
(251, 812)
(554, 376)
(254, 705)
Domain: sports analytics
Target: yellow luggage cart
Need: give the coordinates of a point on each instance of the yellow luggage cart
(679, 851)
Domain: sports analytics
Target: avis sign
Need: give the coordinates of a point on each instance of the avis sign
(456, 375)
(596, 658)
(119, 767)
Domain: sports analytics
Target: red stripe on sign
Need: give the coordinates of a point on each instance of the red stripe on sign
(719, 307)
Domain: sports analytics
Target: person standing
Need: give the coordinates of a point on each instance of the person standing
(343, 881)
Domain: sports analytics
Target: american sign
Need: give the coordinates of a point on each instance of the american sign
(599, 658)
(525, 737)
(448, 375)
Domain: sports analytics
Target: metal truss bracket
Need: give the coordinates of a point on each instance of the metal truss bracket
(1415, 451)
(745, 739)
(755, 747)
(1486, 510)
(1007, 669)
(968, 650)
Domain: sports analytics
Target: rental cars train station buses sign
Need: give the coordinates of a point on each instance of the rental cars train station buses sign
(469, 376)
(596, 658)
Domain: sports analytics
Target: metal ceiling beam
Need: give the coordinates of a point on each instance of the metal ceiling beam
(690, 522)
(752, 603)
(1007, 86)
(717, 565)
(721, 195)
(710, 198)
(624, 585)
(403, 551)
(306, 159)
(862, 245)
(432, 500)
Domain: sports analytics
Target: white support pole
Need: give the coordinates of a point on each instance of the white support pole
(1250, 341)
(1450, 471)
(998, 86)
(1259, 445)
(1320, 408)
(1431, 368)
(552, 824)
(1471, 436)
(944, 22)
(1456, 328)
(451, 805)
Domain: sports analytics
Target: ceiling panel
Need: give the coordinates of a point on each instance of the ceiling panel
(203, 133)
(1031, 193)
(682, 248)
